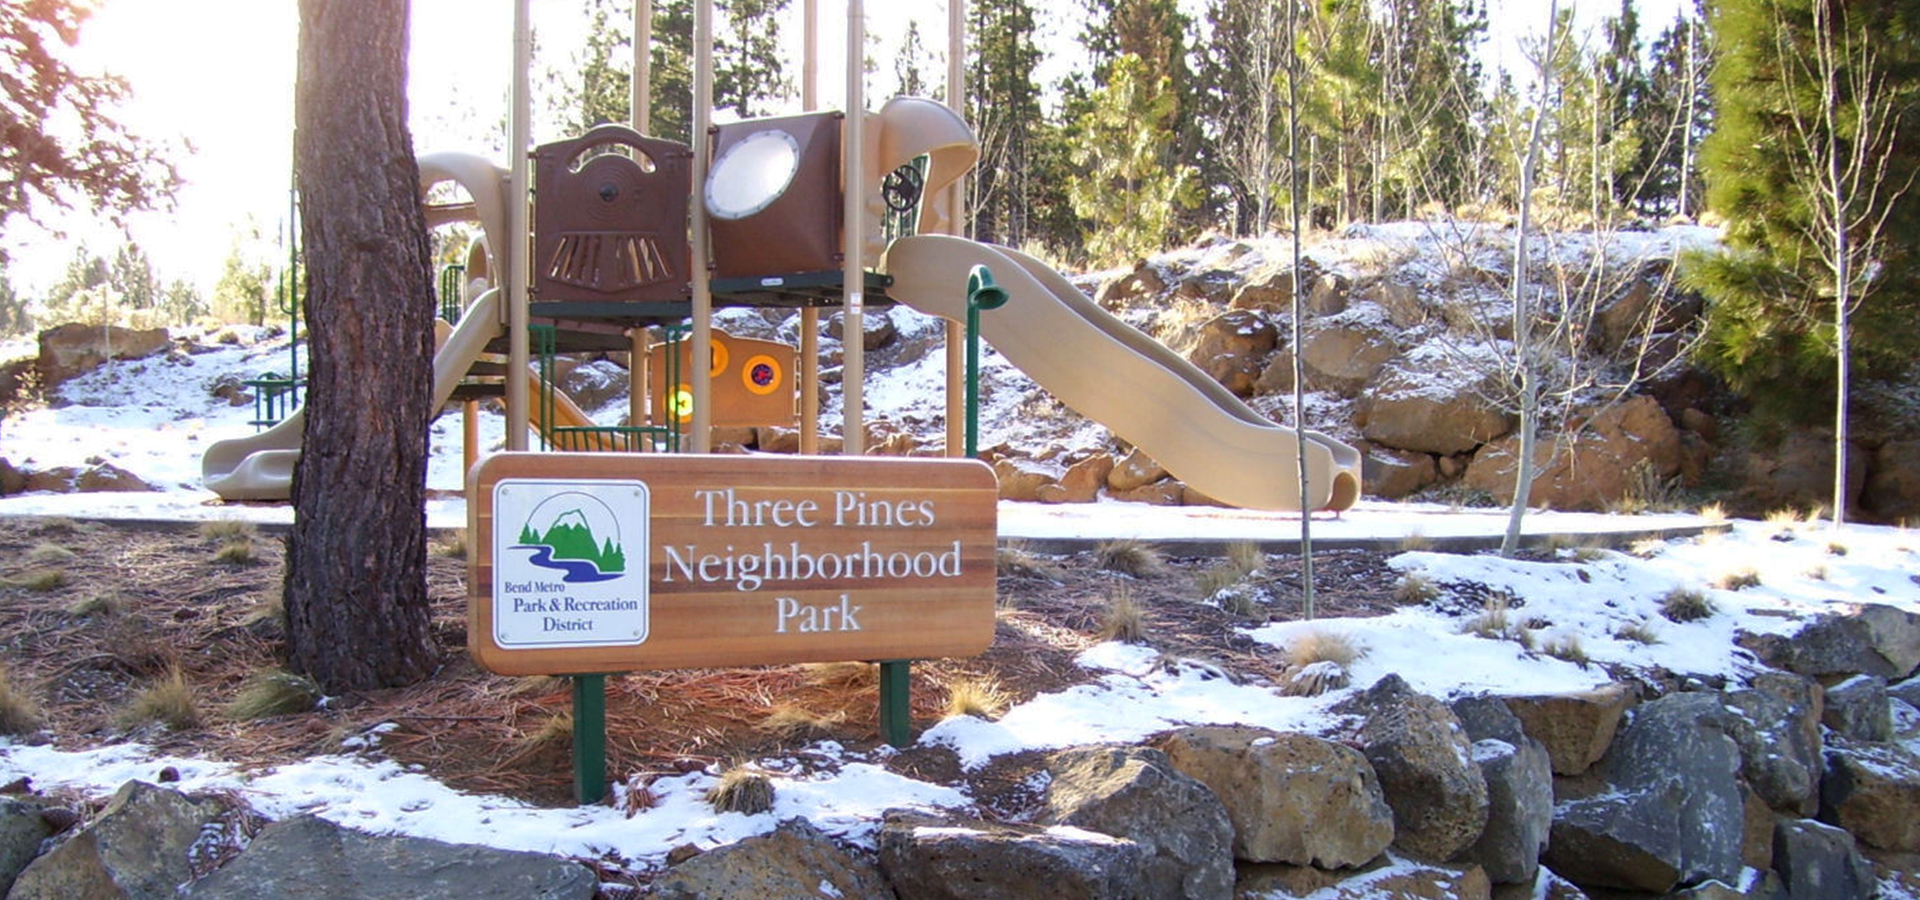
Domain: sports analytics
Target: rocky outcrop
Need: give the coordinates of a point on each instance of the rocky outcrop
(1857, 708)
(1426, 768)
(1292, 798)
(1519, 791)
(1666, 809)
(1777, 728)
(1820, 861)
(139, 848)
(22, 828)
(794, 860)
(71, 350)
(1136, 793)
(1232, 349)
(1392, 474)
(1392, 877)
(1410, 410)
(1873, 790)
(1593, 469)
(1022, 479)
(1892, 490)
(1343, 353)
(876, 328)
(1798, 473)
(309, 858)
(953, 859)
(1136, 470)
(1576, 728)
(1867, 639)
(1081, 482)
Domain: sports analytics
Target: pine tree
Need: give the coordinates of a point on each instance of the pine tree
(1129, 196)
(1003, 103)
(748, 77)
(908, 79)
(1675, 114)
(13, 308)
(1239, 81)
(241, 293)
(181, 302)
(132, 277)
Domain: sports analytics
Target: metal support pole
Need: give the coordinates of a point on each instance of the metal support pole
(810, 317)
(982, 294)
(520, 119)
(589, 738)
(853, 240)
(896, 702)
(641, 108)
(700, 430)
(956, 202)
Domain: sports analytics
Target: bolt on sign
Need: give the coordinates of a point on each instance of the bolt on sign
(586, 562)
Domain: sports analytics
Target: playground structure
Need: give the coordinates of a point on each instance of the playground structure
(631, 236)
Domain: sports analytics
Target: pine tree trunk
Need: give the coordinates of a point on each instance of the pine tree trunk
(356, 598)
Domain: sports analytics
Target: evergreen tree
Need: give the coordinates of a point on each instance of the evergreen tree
(1155, 32)
(1674, 117)
(181, 302)
(908, 79)
(241, 293)
(1003, 103)
(1129, 197)
(133, 279)
(14, 318)
(1424, 141)
(747, 76)
(83, 292)
(1242, 110)
(1771, 296)
(606, 86)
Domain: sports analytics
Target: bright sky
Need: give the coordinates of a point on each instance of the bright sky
(232, 100)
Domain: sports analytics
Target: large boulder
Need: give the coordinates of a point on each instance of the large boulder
(1081, 482)
(1233, 347)
(1426, 768)
(1343, 353)
(944, 859)
(1519, 791)
(1392, 878)
(1667, 807)
(1645, 305)
(876, 328)
(1873, 790)
(71, 350)
(310, 858)
(794, 860)
(1271, 288)
(136, 849)
(1136, 470)
(1857, 708)
(1135, 793)
(1594, 469)
(22, 828)
(1892, 491)
(1292, 798)
(595, 383)
(1777, 728)
(1577, 727)
(1820, 862)
(1130, 288)
(1022, 479)
(1797, 472)
(1392, 474)
(1433, 414)
(1403, 303)
(106, 477)
(1862, 639)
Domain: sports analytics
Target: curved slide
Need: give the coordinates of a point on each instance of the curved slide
(1117, 376)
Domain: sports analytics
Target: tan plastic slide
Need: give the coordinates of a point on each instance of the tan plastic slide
(1117, 376)
(260, 466)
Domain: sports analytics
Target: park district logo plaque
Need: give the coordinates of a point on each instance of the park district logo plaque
(570, 563)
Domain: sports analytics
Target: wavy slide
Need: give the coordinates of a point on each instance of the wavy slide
(1129, 382)
(260, 466)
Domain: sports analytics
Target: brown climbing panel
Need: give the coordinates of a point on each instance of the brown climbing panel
(610, 218)
(800, 230)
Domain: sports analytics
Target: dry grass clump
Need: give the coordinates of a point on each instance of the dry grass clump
(1129, 557)
(1589, 553)
(980, 697)
(743, 790)
(1319, 644)
(1414, 588)
(49, 554)
(843, 677)
(1243, 559)
(271, 609)
(1314, 680)
(18, 713)
(274, 692)
(452, 545)
(1817, 572)
(1567, 647)
(555, 730)
(41, 581)
(1714, 513)
(1014, 560)
(1737, 579)
(169, 700)
(1639, 631)
(1246, 557)
(1647, 547)
(1124, 618)
(221, 531)
(1836, 549)
(1495, 621)
(788, 721)
(108, 603)
(1782, 523)
(236, 552)
(1414, 541)
(1682, 605)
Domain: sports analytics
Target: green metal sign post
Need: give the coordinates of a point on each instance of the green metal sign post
(589, 738)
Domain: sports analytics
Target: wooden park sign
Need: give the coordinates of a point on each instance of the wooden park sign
(584, 562)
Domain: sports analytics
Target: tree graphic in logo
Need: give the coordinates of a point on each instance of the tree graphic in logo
(577, 535)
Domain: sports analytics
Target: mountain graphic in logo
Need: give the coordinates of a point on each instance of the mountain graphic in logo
(577, 535)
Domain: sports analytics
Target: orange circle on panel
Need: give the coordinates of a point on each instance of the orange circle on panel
(762, 375)
(717, 360)
(680, 405)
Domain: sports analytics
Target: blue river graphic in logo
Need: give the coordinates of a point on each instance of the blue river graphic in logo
(577, 535)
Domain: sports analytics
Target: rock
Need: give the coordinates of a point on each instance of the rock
(1080, 484)
(1778, 733)
(1545, 886)
(1820, 862)
(1135, 793)
(777, 439)
(1189, 496)
(1857, 708)
(1892, 491)
(1392, 474)
(71, 350)
(1127, 290)
(1237, 372)
(1576, 728)
(58, 480)
(595, 383)
(1873, 790)
(1292, 798)
(106, 477)
(1343, 354)
(136, 849)
(1271, 289)
(1699, 423)
(309, 857)
(1645, 305)
(1907, 691)
(795, 860)
(1425, 764)
(231, 388)
(1756, 831)
(1328, 296)
(939, 859)
(1240, 331)
(1519, 791)
(1277, 376)
(1136, 470)
(1164, 493)
(1395, 878)
(1898, 873)
(1596, 468)
(1407, 410)
(1841, 643)
(1207, 285)
(876, 328)
(1402, 302)
(1021, 479)
(1669, 809)
(22, 828)
(1798, 472)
